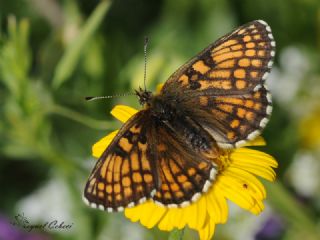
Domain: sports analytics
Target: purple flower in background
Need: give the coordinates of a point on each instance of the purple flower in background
(272, 229)
(9, 230)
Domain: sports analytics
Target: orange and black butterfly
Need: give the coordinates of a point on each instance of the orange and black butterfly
(167, 152)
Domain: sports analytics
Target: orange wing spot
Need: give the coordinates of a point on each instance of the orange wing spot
(225, 56)
(116, 188)
(135, 129)
(109, 176)
(257, 106)
(125, 145)
(241, 112)
(126, 181)
(220, 74)
(116, 176)
(250, 116)
(161, 147)
(184, 79)
(222, 84)
(194, 77)
(139, 188)
(191, 171)
(201, 67)
(179, 194)
(257, 37)
(158, 195)
(147, 178)
(221, 51)
(145, 163)
(165, 187)
(203, 165)
(142, 147)
(256, 63)
(137, 177)
(109, 189)
(250, 45)
(174, 187)
(254, 74)
(231, 135)
(261, 53)
(134, 161)
(100, 194)
(101, 186)
(225, 44)
(219, 114)
(125, 167)
(235, 123)
(236, 47)
(226, 107)
(174, 168)
(236, 101)
(118, 197)
(249, 103)
(203, 100)
(182, 178)
(239, 73)
(244, 62)
(187, 185)
(241, 84)
(167, 195)
(226, 64)
(242, 31)
(261, 44)
(166, 171)
(127, 192)
(257, 95)
(250, 53)
(104, 167)
(247, 38)
(109, 198)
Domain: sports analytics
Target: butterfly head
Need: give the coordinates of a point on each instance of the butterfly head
(144, 96)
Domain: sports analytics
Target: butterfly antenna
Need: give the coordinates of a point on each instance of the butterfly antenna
(146, 40)
(110, 96)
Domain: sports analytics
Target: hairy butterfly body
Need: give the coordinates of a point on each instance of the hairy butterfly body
(168, 152)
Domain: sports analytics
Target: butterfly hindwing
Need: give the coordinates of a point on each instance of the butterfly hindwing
(185, 173)
(223, 86)
(125, 174)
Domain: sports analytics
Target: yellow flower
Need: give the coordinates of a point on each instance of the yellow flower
(235, 181)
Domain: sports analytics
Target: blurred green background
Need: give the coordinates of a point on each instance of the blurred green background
(54, 53)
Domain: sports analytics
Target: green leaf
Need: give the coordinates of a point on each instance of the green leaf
(71, 57)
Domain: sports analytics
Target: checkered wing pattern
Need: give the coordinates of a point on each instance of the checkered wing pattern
(223, 86)
(125, 174)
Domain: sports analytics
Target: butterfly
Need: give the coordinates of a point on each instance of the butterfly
(168, 151)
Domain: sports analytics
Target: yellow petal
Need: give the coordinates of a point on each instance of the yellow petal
(264, 172)
(245, 177)
(123, 113)
(257, 208)
(218, 204)
(148, 213)
(207, 231)
(235, 192)
(99, 147)
(254, 157)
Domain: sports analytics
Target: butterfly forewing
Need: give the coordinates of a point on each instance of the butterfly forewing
(125, 174)
(223, 86)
